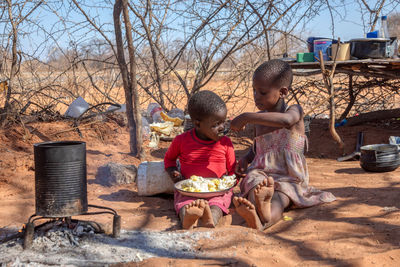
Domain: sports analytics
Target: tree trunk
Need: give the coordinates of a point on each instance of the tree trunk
(128, 78)
(13, 70)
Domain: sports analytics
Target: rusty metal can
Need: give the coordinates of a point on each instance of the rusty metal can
(60, 178)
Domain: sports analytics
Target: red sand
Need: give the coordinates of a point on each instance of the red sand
(355, 230)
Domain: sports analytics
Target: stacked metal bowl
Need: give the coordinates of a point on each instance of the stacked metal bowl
(380, 157)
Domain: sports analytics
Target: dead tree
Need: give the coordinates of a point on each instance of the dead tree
(17, 14)
(228, 26)
(128, 76)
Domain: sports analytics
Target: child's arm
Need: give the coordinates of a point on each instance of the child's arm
(174, 173)
(170, 158)
(230, 157)
(273, 119)
(241, 166)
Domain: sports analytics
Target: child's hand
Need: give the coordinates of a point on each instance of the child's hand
(241, 167)
(238, 123)
(175, 175)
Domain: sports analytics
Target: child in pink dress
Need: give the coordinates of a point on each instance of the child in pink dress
(277, 176)
(203, 151)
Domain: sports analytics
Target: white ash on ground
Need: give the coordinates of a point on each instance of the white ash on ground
(61, 237)
(64, 247)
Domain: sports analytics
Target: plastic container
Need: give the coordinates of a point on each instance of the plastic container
(154, 110)
(373, 34)
(322, 45)
(77, 108)
(305, 57)
(383, 29)
(310, 43)
(153, 179)
(343, 53)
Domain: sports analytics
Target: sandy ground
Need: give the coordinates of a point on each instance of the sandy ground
(361, 228)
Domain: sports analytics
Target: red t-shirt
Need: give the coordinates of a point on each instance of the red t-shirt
(199, 157)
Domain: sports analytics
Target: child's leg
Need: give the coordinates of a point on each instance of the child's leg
(261, 197)
(279, 202)
(211, 216)
(269, 204)
(248, 212)
(189, 214)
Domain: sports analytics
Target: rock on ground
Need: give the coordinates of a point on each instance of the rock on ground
(116, 174)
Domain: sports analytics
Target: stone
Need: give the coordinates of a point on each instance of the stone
(116, 174)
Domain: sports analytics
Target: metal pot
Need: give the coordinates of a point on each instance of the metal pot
(363, 48)
(380, 158)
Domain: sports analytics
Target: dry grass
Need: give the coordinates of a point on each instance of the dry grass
(56, 90)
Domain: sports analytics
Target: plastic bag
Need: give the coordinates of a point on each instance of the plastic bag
(145, 129)
(176, 113)
(162, 128)
(77, 108)
(154, 140)
(176, 121)
(154, 110)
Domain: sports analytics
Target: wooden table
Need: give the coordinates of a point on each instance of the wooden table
(388, 69)
(377, 68)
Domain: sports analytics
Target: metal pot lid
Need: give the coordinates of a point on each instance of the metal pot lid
(370, 40)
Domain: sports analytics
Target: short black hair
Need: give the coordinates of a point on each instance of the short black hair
(204, 103)
(277, 72)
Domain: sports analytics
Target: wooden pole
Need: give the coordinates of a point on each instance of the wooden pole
(328, 81)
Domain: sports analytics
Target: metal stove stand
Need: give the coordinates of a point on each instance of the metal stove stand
(30, 226)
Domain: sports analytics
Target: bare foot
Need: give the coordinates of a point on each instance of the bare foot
(263, 193)
(248, 212)
(192, 213)
(207, 218)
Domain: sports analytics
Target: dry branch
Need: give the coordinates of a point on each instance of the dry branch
(328, 80)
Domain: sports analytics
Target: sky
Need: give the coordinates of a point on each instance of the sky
(347, 26)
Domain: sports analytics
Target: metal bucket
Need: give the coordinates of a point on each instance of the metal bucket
(60, 178)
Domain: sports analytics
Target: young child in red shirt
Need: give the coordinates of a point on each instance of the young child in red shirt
(203, 151)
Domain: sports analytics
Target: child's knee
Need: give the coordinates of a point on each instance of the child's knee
(280, 201)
